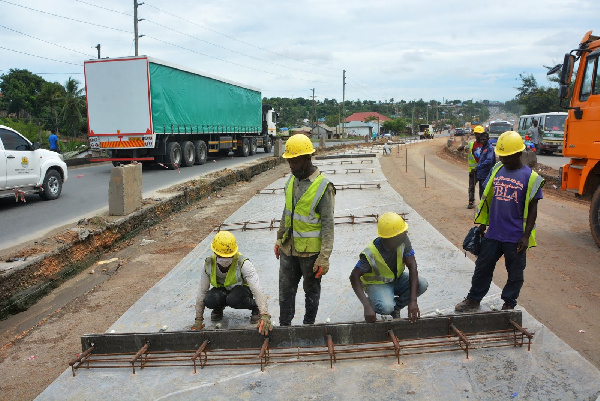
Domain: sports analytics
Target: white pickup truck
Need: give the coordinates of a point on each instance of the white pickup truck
(25, 168)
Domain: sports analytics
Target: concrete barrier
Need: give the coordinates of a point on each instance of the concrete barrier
(278, 149)
(125, 190)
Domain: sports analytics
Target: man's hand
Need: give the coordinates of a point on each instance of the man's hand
(523, 244)
(198, 324)
(264, 325)
(482, 228)
(370, 316)
(321, 267)
(413, 311)
(276, 249)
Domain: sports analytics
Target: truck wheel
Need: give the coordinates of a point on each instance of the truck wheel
(187, 153)
(52, 185)
(595, 216)
(268, 144)
(244, 150)
(173, 156)
(200, 151)
(253, 146)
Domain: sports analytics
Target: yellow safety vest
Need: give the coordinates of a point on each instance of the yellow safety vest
(380, 271)
(306, 221)
(535, 183)
(234, 274)
(470, 158)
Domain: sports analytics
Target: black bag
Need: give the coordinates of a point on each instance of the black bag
(472, 242)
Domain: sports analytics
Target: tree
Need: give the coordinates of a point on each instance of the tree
(21, 89)
(74, 104)
(536, 99)
(50, 99)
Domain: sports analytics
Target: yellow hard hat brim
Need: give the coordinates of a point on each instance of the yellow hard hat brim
(224, 255)
(289, 156)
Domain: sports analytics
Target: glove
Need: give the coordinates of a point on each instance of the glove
(321, 267)
(198, 324)
(276, 249)
(264, 324)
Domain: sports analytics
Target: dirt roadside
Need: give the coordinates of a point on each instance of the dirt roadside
(561, 290)
(562, 278)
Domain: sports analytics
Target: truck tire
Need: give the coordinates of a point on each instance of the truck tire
(268, 144)
(253, 146)
(200, 151)
(173, 156)
(244, 150)
(595, 216)
(187, 153)
(52, 185)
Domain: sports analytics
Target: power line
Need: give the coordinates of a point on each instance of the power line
(35, 55)
(42, 40)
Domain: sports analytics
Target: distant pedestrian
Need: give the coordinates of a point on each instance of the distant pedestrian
(487, 159)
(509, 208)
(534, 133)
(53, 141)
(474, 151)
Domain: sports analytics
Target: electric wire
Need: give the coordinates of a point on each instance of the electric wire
(42, 57)
(42, 40)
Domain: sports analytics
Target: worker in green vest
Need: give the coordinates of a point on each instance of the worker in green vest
(473, 153)
(234, 283)
(508, 210)
(381, 272)
(305, 235)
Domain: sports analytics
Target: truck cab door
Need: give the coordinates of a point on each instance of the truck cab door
(22, 162)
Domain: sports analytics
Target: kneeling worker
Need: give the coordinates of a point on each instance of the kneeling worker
(234, 282)
(380, 272)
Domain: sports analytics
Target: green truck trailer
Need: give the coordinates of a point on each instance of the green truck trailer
(152, 111)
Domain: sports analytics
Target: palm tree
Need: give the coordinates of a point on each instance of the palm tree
(74, 104)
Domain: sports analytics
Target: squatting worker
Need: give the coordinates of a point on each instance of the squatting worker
(474, 151)
(234, 283)
(380, 272)
(305, 235)
(509, 208)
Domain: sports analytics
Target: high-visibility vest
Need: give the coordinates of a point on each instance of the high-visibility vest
(535, 183)
(470, 158)
(306, 221)
(380, 272)
(234, 274)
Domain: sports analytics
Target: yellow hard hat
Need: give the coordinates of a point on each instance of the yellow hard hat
(479, 130)
(298, 145)
(390, 224)
(224, 244)
(509, 143)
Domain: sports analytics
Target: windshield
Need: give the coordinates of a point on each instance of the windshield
(555, 123)
(499, 128)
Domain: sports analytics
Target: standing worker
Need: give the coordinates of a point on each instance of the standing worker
(234, 282)
(509, 208)
(53, 141)
(380, 272)
(305, 235)
(487, 159)
(474, 151)
(534, 134)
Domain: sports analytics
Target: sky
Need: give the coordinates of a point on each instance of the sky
(390, 49)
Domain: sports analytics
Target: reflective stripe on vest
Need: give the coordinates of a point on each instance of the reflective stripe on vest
(535, 183)
(234, 274)
(306, 221)
(470, 158)
(380, 272)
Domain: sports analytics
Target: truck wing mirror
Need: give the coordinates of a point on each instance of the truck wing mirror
(36, 145)
(567, 69)
(554, 69)
(563, 91)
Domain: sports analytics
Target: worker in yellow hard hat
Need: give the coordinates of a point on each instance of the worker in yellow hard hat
(473, 154)
(305, 235)
(508, 210)
(381, 274)
(234, 283)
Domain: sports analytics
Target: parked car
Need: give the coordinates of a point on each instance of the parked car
(459, 131)
(25, 168)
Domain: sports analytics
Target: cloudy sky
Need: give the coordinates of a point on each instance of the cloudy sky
(465, 49)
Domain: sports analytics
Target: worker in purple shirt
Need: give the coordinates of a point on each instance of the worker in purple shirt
(509, 208)
(487, 159)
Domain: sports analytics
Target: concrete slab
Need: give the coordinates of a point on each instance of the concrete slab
(552, 370)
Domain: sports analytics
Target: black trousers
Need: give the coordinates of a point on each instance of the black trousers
(239, 297)
(291, 270)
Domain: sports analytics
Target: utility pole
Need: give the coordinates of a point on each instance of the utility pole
(313, 120)
(135, 25)
(344, 102)
(98, 47)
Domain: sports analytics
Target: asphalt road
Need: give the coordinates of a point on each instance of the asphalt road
(85, 194)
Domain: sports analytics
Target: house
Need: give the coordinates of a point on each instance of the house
(357, 128)
(322, 131)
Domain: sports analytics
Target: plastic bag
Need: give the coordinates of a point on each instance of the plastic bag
(472, 242)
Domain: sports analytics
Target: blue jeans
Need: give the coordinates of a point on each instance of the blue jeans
(491, 251)
(384, 297)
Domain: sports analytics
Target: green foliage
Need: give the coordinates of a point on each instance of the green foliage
(397, 125)
(536, 99)
(26, 128)
(21, 89)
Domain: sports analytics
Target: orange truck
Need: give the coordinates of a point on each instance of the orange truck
(582, 127)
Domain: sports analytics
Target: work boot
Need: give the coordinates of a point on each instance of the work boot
(396, 313)
(216, 314)
(507, 306)
(470, 205)
(255, 317)
(467, 305)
